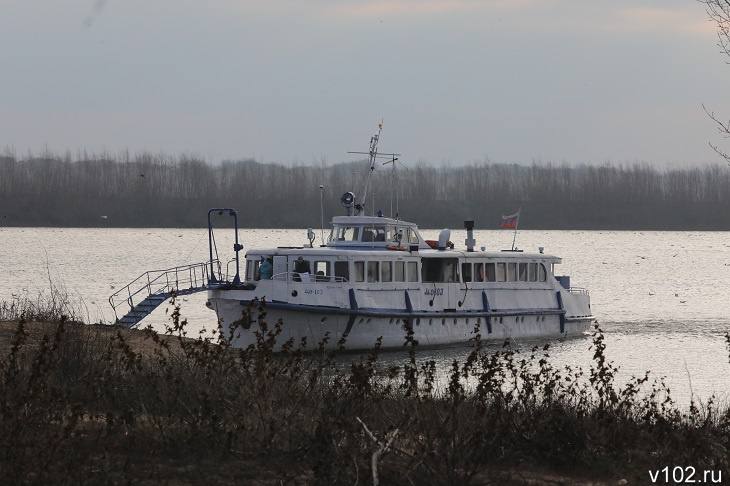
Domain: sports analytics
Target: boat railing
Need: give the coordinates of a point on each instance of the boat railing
(228, 269)
(579, 291)
(165, 282)
(307, 278)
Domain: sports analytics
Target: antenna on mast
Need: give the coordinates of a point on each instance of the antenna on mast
(393, 186)
(372, 154)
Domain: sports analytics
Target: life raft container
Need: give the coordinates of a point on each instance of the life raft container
(434, 244)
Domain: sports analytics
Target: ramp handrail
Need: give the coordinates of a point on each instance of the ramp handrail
(164, 281)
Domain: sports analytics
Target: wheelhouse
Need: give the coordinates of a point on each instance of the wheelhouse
(374, 232)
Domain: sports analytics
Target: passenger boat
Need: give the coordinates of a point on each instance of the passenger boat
(377, 277)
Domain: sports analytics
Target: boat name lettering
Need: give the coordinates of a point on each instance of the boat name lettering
(313, 291)
(434, 291)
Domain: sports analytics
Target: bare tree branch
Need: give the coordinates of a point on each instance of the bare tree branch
(384, 446)
(718, 12)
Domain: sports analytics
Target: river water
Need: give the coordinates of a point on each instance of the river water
(661, 297)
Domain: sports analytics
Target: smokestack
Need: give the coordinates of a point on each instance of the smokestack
(470, 241)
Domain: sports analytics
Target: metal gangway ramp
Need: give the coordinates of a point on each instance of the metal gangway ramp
(145, 293)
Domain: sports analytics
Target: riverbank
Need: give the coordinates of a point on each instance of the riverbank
(87, 404)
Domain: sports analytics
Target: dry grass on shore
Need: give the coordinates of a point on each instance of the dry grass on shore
(86, 404)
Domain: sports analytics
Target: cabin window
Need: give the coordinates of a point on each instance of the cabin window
(373, 271)
(249, 268)
(322, 271)
(376, 233)
(512, 272)
(412, 268)
(301, 266)
(522, 268)
(533, 272)
(542, 272)
(479, 272)
(399, 235)
(359, 271)
(399, 271)
(412, 237)
(439, 270)
(386, 271)
(348, 233)
(256, 274)
(490, 272)
(342, 272)
(501, 272)
(466, 272)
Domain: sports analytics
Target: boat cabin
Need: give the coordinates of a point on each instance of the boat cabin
(369, 232)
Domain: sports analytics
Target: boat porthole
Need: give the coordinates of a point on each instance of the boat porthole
(443, 321)
(294, 293)
(500, 320)
(430, 322)
(455, 321)
(430, 302)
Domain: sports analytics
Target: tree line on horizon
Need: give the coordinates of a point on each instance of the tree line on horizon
(164, 191)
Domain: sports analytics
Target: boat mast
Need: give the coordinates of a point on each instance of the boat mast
(372, 156)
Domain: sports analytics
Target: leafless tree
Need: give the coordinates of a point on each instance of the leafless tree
(160, 190)
(719, 13)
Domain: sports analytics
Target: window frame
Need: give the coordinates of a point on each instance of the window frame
(511, 271)
(479, 275)
(522, 271)
(486, 272)
(389, 265)
(338, 276)
(501, 274)
(359, 273)
(372, 268)
(412, 270)
(466, 272)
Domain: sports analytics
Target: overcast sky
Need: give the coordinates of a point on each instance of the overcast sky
(300, 81)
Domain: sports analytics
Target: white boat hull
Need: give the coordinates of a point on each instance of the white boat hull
(361, 331)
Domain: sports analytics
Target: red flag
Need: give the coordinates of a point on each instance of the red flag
(511, 221)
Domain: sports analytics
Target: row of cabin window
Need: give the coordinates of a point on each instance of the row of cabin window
(375, 233)
(433, 270)
(503, 272)
(319, 270)
(389, 271)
